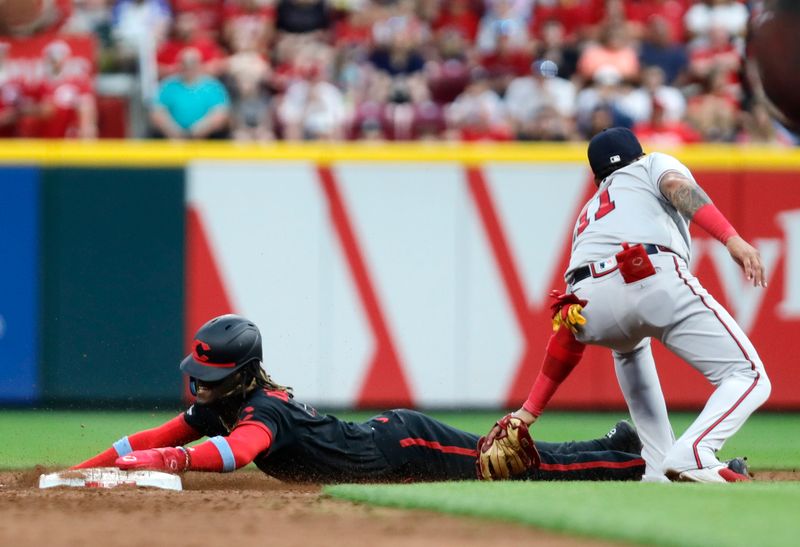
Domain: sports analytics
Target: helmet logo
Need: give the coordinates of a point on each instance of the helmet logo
(201, 350)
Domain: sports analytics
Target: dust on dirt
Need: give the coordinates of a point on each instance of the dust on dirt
(778, 475)
(240, 509)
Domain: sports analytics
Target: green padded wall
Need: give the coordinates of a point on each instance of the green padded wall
(112, 277)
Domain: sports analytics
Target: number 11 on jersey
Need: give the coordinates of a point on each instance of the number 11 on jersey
(606, 206)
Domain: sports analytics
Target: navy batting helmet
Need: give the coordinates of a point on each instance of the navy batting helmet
(221, 347)
(612, 149)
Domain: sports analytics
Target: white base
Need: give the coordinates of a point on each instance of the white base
(110, 477)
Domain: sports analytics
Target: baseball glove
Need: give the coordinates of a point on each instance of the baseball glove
(567, 310)
(508, 453)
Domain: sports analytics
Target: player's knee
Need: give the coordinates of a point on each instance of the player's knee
(761, 385)
(764, 384)
(632, 354)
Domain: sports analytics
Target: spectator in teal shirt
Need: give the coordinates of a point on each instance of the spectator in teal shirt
(191, 104)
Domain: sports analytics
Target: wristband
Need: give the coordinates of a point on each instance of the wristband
(710, 219)
(187, 461)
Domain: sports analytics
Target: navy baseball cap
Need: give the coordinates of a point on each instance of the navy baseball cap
(613, 148)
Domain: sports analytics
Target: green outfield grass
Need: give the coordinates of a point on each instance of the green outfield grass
(55, 438)
(763, 514)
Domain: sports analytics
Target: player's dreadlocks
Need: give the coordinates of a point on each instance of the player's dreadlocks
(264, 380)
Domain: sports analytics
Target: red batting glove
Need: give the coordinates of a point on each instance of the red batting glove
(171, 460)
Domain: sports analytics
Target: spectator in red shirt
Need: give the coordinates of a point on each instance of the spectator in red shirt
(256, 18)
(185, 34)
(354, 29)
(575, 16)
(449, 75)
(660, 132)
(460, 17)
(207, 13)
(639, 12)
(65, 99)
(508, 61)
(717, 54)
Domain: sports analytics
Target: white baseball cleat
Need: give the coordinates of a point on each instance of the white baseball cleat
(716, 473)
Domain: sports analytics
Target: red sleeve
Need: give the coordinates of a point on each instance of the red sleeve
(175, 432)
(563, 353)
(711, 219)
(222, 454)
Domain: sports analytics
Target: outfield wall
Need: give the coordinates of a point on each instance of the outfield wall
(401, 275)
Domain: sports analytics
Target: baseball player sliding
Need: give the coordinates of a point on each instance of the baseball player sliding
(628, 281)
(250, 418)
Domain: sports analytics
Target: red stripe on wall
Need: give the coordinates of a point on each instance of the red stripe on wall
(206, 296)
(590, 465)
(434, 445)
(384, 381)
(531, 356)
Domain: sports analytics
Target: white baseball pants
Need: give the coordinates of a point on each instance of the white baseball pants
(672, 306)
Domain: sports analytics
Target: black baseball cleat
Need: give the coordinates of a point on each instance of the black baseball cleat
(624, 438)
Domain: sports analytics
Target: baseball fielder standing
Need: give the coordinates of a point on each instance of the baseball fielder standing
(629, 272)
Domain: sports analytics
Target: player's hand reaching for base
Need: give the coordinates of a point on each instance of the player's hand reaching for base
(749, 259)
(171, 460)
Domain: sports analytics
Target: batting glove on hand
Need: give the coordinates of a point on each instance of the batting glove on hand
(567, 310)
(507, 451)
(171, 460)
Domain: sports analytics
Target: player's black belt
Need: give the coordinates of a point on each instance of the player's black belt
(579, 274)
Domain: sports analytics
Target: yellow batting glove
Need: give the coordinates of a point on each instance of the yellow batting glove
(570, 317)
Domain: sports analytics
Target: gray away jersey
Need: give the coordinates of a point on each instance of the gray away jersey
(629, 207)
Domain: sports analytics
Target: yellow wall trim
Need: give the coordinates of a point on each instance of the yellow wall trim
(171, 154)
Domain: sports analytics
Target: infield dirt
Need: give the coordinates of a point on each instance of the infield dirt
(241, 509)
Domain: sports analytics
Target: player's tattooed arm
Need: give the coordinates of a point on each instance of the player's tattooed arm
(686, 196)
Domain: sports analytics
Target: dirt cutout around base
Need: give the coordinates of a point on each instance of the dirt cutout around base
(240, 509)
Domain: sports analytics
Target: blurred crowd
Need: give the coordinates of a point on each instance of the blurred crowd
(675, 71)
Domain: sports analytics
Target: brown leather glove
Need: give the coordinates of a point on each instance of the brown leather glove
(508, 453)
